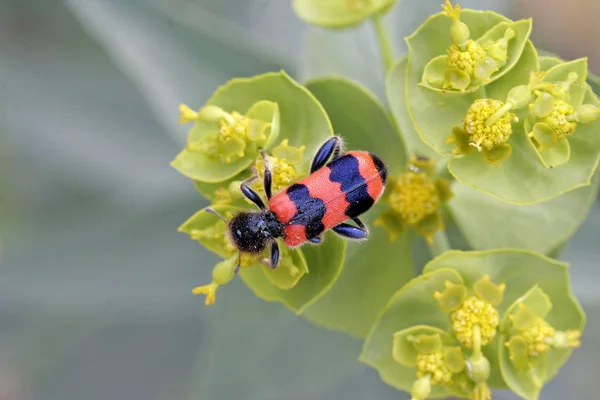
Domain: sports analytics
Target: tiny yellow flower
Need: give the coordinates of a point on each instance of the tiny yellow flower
(484, 135)
(231, 135)
(467, 59)
(474, 318)
(414, 198)
(432, 364)
(537, 336)
(558, 119)
(475, 312)
(283, 162)
(187, 114)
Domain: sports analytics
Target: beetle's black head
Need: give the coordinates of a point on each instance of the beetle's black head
(250, 231)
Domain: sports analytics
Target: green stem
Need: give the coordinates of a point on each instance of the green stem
(384, 42)
(440, 243)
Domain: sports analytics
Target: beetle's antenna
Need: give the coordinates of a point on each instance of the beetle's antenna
(213, 211)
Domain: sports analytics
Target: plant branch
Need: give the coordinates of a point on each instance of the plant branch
(383, 38)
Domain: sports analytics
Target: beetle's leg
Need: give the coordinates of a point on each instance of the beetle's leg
(273, 259)
(268, 180)
(274, 255)
(251, 194)
(315, 240)
(352, 232)
(329, 148)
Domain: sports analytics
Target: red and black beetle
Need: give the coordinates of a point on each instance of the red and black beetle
(335, 191)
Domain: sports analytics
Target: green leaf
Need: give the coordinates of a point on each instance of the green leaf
(554, 156)
(411, 306)
(376, 268)
(520, 270)
(339, 13)
(404, 350)
(522, 179)
(360, 119)
(325, 262)
(488, 223)
(535, 299)
(200, 166)
(212, 225)
(396, 96)
(434, 71)
(289, 271)
(433, 115)
(544, 367)
(560, 72)
(302, 119)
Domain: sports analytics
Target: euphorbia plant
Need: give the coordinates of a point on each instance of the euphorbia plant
(483, 132)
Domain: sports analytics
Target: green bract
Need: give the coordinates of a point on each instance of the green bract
(376, 268)
(533, 324)
(512, 166)
(412, 306)
(436, 72)
(339, 13)
(496, 279)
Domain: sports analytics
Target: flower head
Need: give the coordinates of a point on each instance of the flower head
(484, 135)
(227, 135)
(474, 317)
(531, 336)
(414, 198)
(283, 163)
(558, 119)
(467, 59)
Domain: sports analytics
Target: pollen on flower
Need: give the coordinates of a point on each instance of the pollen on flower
(233, 133)
(537, 337)
(558, 118)
(465, 60)
(481, 135)
(283, 172)
(433, 364)
(474, 311)
(414, 196)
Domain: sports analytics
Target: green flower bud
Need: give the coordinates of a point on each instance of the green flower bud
(421, 389)
(543, 105)
(224, 271)
(478, 367)
(587, 113)
(519, 96)
(459, 31)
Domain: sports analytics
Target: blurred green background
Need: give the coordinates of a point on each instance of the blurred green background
(95, 282)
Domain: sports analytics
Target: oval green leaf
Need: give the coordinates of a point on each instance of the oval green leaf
(395, 89)
(289, 271)
(339, 13)
(560, 72)
(413, 305)
(324, 261)
(550, 157)
(376, 268)
(211, 224)
(487, 223)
